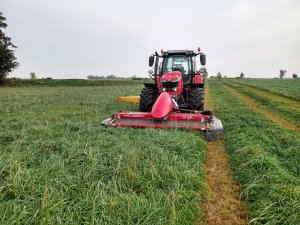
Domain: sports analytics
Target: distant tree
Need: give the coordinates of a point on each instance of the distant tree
(99, 77)
(295, 76)
(219, 75)
(282, 73)
(90, 77)
(203, 70)
(7, 58)
(32, 75)
(242, 75)
(111, 76)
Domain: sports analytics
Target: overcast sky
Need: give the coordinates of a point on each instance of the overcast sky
(73, 39)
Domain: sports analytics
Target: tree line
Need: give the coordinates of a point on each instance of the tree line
(8, 60)
(282, 73)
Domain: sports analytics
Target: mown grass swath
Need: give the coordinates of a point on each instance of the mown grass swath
(265, 160)
(59, 165)
(284, 87)
(287, 111)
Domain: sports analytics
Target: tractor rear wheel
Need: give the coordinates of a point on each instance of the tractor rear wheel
(147, 99)
(196, 99)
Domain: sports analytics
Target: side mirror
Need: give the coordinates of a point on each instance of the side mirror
(151, 60)
(203, 59)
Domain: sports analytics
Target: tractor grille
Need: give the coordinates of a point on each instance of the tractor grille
(169, 84)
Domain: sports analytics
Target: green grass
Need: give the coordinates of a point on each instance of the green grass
(59, 166)
(74, 82)
(276, 106)
(265, 160)
(285, 87)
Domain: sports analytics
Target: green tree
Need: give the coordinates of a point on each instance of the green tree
(90, 77)
(111, 77)
(7, 58)
(295, 76)
(203, 70)
(219, 75)
(32, 75)
(282, 73)
(242, 75)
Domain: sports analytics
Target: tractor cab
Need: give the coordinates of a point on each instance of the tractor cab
(183, 61)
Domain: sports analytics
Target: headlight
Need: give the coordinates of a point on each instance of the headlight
(174, 89)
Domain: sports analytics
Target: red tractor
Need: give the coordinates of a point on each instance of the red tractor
(176, 74)
(175, 99)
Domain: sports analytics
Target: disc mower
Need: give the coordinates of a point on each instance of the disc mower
(175, 99)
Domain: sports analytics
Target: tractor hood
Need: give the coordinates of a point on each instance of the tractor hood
(172, 82)
(172, 76)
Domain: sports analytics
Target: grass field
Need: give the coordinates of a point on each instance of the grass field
(285, 107)
(285, 87)
(265, 160)
(59, 166)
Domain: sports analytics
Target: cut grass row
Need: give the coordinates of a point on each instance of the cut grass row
(265, 160)
(223, 205)
(59, 166)
(285, 87)
(286, 108)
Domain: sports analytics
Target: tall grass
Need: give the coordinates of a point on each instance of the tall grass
(265, 160)
(290, 112)
(59, 166)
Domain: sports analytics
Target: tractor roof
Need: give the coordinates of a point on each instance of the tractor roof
(179, 52)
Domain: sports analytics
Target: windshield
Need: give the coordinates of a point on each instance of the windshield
(177, 62)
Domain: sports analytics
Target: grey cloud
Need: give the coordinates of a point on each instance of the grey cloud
(68, 39)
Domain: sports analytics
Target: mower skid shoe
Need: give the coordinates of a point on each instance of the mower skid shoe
(108, 121)
(215, 132)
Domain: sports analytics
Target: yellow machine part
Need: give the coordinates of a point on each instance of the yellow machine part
(129, 99)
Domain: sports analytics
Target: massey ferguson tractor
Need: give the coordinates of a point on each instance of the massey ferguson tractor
(177, 75)
(175, 99)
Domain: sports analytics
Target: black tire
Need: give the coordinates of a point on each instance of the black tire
(147, 99)
(196, 99)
